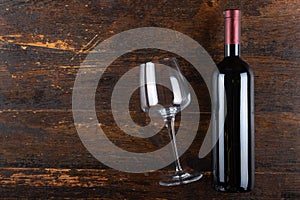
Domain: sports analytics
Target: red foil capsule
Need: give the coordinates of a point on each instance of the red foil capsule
(232, 26)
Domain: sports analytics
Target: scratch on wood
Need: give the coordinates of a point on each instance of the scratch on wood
(89, 46)
(59, 44)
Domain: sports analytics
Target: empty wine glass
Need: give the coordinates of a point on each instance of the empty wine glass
(164, 91)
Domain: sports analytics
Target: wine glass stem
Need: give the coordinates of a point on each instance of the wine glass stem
(170, 124)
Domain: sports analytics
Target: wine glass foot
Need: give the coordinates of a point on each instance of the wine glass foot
(180, 178)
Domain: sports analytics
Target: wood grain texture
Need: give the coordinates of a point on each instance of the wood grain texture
(110, 184)
(42, 45)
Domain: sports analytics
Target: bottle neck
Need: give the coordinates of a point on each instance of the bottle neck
(232, 50)
(232, 19)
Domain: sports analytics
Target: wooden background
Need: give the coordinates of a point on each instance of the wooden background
(43, 43)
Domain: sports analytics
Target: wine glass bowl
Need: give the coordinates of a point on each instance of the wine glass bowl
(163, 87)
(164, 91)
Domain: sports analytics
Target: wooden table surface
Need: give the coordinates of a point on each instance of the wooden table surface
(42, 45)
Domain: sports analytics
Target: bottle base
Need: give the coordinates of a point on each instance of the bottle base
(228, 189)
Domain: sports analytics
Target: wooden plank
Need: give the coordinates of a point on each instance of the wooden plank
(49, 139)
(48, 84)
(50, 87)
(110, 184)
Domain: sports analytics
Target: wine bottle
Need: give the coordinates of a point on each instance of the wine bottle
(233, 115)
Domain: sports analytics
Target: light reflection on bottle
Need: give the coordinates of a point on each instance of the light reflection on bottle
(221, 122)
(244, 130)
